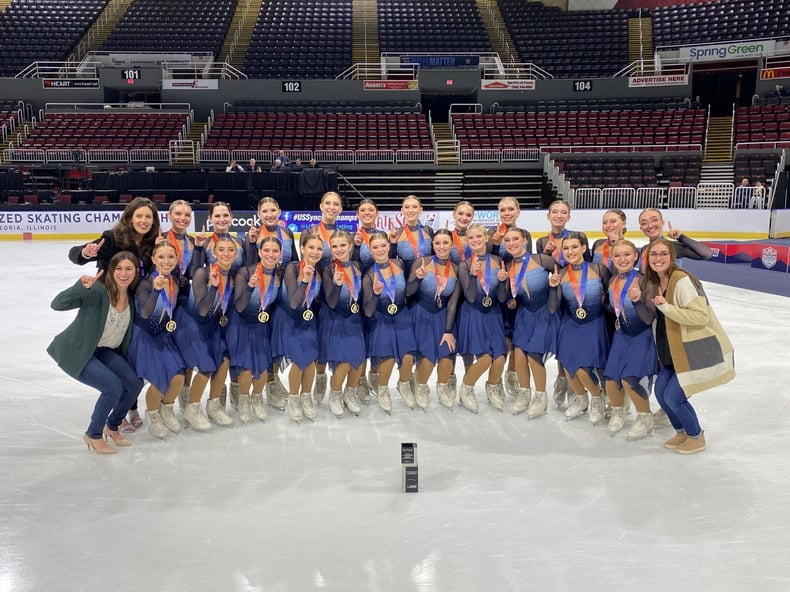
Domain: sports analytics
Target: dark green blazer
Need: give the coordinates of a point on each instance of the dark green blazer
(74, 347)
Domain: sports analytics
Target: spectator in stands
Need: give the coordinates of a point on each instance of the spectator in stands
(296, 166)
(253, 167)
(313, 164)
(779, 91)
(234, 167)
(696, 103)
(283, 158)
(757, 199)
(277, 167)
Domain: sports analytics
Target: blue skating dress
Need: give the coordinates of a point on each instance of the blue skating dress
(201, 334)
(412, 242)
(152, 350)
(633, 352)
(461, 250)
(286, 240)
(206, 253)
(583, 342)
(480, 328)
(249, 332)
(294, 334)
(390, 332)
(342, 328)
(434, 315)
(535, 329)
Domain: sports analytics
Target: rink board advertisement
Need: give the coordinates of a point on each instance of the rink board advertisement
(88, 224)
(770, 256)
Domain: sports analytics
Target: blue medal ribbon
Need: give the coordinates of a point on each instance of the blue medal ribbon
(390, 290)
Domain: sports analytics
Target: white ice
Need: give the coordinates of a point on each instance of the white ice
(504, 503)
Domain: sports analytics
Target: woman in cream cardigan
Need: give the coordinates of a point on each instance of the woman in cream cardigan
(694, 353)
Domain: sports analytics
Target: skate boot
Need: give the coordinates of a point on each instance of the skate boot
(234, 394)
(308, 410)
(274, 397)
(642, 428)
(319, 387)
(350, 399)
(523, 398)
(295, 408)
(169, 418)
(421, 396)
(195, 418)
(468, 398)
(560, 391)
(495, 396)
(243, 404)
(539, 405)
(617, 420)
(183, 398)
(511, 382)
(258, 406)
(578, 406)
(384, 399)
(446, 395)
(597, 410)
(404, 388)
(660, 419)
(336, 403)
(153, 421)
(363, 390)
(216, 413)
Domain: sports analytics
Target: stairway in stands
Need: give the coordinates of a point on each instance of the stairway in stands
(497, 31)
(717, 163)
(242, 25)
(446, 148)
(5, 4)
(640, 40)
(100, 30)
(365, 31)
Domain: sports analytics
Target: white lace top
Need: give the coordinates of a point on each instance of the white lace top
(115, 328)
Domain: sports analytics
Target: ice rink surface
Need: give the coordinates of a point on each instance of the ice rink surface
(504, 503)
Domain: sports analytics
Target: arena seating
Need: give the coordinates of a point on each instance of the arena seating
(756, 166)
(301, 38)
(313, 131)
(173, 26)
(106, 130)
(394, 107)
(592, 128)
(636, 104)
(725, 20)
(609, 171)
(583, 43)
(38, 30)
(427, 25)
(765, 126)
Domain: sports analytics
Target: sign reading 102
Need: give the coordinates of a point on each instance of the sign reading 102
(582, 85)
(292, 86)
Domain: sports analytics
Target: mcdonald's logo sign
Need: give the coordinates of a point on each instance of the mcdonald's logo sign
(771, 73)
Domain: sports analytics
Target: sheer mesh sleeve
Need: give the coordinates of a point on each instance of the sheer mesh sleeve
(331, 291)
(646, 311)
(529, 242)
(242, 292)
(204, 293)
(547, 262)
(198, 260)
(251, 252)
(688, 248)
(293, 287)
(294, 251)
(413, 283)
(369, 299)
(603, 273)
(555, 299)
(501, 287)
(452, 307)
(468, 283)
(145, 297)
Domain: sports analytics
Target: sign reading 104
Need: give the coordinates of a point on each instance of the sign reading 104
(582, 85)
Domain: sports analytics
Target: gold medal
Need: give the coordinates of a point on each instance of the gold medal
(354, 308)
(487, 302)
(581, 314)
(263, 317)
(392, 309)
(617, 324)
(223, 321)
(512, 304)
(171, 326)
(307, 315)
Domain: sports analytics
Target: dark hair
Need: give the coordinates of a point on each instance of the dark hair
(125, 235)
(367, 200)
(579, 236)
(443, 232)
(109, 277)
(651, 277)
(270, 239)
(520, 231)
(161, 244)
(378, 235)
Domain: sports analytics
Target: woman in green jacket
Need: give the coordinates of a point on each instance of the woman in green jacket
(93, 347)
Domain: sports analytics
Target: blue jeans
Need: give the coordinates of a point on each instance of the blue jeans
(674, 401)
(111, 374)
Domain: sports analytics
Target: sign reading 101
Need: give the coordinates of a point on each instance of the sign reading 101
(292, 86)
(582, 85)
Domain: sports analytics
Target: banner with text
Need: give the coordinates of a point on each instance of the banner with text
(728, 51)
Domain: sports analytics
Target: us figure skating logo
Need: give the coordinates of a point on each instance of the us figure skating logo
(769, 257)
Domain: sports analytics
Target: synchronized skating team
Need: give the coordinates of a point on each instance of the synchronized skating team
(183, 312)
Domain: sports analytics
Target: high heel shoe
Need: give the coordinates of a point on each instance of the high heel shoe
(99, 446)
(117, 437)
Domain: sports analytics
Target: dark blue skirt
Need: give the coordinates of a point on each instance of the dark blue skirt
(155, 358)
(632, 355)
(248, 345)
(428, 332)
(390, 336)
(582, 345)
(294, 340)
(480, 333)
